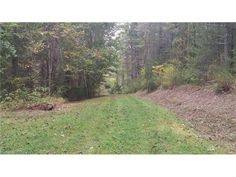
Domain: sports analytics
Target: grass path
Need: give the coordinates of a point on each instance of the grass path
(108, 125)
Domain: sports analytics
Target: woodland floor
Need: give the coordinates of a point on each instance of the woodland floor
(107, 125)
(212, 115)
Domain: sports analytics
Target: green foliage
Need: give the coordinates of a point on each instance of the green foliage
(18, 99)
(61, 90)
(169, 75)
(19, 82)
(135, 85)
(232, 69)
(60, 56)
(165, 75)
(223, 80)
(112, 85)
(75, 93)
(78, 56)
(187, 75)
(22, 98)
(41, 91)
(149, 79)
(7, 50)
(116, 89)
(190, 47)
(92, 65)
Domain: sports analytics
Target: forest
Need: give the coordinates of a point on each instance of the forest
(78, 60)
(45, 65)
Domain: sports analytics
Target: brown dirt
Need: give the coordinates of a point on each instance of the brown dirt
(212, 115)
(42, 106)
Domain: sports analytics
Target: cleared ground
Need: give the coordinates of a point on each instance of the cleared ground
(212, 115)
(107, 125)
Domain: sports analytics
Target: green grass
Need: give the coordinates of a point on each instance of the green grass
(108, 125)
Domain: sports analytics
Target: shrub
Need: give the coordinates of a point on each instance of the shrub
(112, 86)
(164, 75)
(150, 82)
(187, 76)
(18, 82)
(75, 93)
(21, 98)
(169, 75)
(223, 80)
(135, 85)
(42, 91)
(116, 88)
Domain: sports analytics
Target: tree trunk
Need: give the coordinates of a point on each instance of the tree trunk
(14, 66)
(226, 44)
(85, 84)
(160, 43)
(49, 71)
(170, 45)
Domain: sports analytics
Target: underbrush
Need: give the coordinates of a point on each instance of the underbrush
(162, 76)
(23, 99)
(134, 85)
(169, 75)
(222, 80)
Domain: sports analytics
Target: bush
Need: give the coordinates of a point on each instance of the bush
(116, 89)
(20, 98)
(12, 85)
(23, 98)
(187, 76)
(164, 75)
(158, 76)
(42, 91)
(169, 75)
(111, 85)
(135, 85)
(75, 93)
(223, 80)
(151, 84)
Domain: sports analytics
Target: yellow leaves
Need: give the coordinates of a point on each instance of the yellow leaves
(164, 69)
(67, 68)
(36, 47)
(142, 72)
(27, 66)
(165, 74)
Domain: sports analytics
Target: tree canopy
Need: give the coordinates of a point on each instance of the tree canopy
(75, 60)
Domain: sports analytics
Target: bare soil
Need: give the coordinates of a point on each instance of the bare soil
(46, 107)
(212, 115)
(42, 106)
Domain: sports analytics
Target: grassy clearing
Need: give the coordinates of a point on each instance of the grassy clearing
(108, 125)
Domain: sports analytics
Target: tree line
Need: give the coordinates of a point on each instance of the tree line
(197, 51)
(60, 58)
(75, 59)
